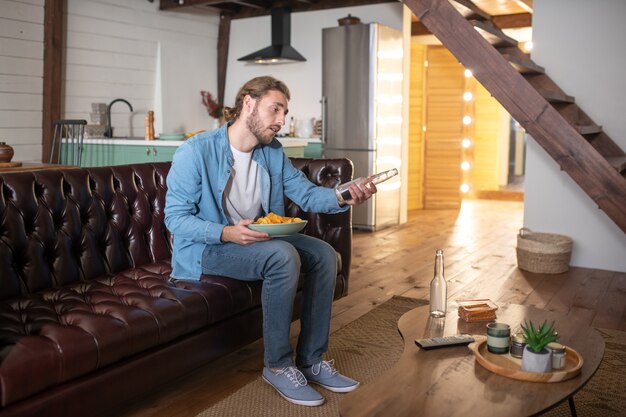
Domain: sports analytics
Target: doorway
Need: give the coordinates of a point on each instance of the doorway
(462, 142)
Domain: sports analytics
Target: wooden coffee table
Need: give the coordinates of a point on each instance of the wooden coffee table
(448, 381)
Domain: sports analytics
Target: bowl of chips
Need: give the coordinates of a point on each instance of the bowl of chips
(277, 226)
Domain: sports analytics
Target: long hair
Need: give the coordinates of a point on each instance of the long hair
(255, 88)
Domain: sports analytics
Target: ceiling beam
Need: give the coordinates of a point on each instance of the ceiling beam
(264, 7)
(528, 3)
(313, 6)
(175, 4)
(250, 4)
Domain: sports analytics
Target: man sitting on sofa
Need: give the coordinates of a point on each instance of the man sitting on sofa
(219, 183)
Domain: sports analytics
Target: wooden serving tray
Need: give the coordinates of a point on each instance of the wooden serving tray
(510, 367)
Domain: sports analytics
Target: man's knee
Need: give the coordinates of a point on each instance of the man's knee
(284, 255)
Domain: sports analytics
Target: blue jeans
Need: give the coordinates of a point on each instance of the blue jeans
(278, 262)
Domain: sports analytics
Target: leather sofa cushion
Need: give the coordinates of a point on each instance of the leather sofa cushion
(58, 334)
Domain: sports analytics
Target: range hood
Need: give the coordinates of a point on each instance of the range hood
(280, 51)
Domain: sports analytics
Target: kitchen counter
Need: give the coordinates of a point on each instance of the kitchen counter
(295, 141)
(124, 150)
(131, 141)
(287, 142)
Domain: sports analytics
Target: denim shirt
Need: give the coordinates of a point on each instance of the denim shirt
(201, 168)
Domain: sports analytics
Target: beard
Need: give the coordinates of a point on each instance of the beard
(263, 134)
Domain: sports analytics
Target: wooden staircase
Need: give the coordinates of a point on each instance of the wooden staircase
(579, 145)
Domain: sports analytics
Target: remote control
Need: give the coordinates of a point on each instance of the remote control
(438, 342)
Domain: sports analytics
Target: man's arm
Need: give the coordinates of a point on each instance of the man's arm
(184, 191)
(307, 195)
(311, 197)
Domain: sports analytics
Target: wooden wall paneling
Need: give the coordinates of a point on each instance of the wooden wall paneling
(21, 77)
(111, 52)
(156, 60)
(444, 113)
(487, 160)
(415, 198)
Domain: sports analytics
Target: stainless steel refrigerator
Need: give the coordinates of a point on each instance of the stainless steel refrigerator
(362, 111)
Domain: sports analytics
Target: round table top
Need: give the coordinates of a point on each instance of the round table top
(449, 382)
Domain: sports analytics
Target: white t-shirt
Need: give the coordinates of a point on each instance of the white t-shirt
(242, 195)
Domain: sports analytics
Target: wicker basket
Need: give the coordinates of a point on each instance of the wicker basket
(543, 253)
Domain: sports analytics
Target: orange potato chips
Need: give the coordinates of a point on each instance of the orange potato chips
(273, 218)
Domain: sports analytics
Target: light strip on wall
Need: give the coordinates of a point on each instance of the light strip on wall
(388, 186)
(389, 99)
(390, 120)
(390, 76)
(389, 141)
(390, 54)
(391, 160)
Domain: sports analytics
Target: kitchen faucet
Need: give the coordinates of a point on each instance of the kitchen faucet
(108, 133)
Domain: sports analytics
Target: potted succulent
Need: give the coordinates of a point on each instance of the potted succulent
(536, 358)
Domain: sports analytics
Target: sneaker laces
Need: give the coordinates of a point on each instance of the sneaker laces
(329, 366)
(294, 376)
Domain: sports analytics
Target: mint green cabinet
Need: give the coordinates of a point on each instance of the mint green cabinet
(100, 155)
(136, 154)
(294, 151)
(313, 150)
(163, 153)
(103, 155)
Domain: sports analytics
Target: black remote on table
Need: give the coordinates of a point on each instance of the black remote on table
(445, 341)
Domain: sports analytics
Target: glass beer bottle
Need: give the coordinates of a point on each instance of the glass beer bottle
(438, 289)
(343, 190)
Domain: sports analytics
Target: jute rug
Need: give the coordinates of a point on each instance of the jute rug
(605, 394)
(369, 346)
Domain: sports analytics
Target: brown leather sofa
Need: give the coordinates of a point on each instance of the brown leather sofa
(89, 317)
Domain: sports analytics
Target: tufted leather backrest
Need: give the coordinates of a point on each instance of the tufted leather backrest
(59, 227)
(64, 226)
(335, 229)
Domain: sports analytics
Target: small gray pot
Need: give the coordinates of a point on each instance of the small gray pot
(536, 362)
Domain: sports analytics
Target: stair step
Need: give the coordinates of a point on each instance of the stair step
(524, 65)
(469, 10)
(553, 131)
(555, 96)
(588, 129)
(492, 34)
(618, 162)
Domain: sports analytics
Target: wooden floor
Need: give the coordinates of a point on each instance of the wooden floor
(480, 262)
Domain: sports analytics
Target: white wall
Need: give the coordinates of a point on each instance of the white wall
(156, 60)
(21, 76)
(587, 62)
(304, 79)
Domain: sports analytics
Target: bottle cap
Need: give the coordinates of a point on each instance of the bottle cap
(518, 338)
(556, 347)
